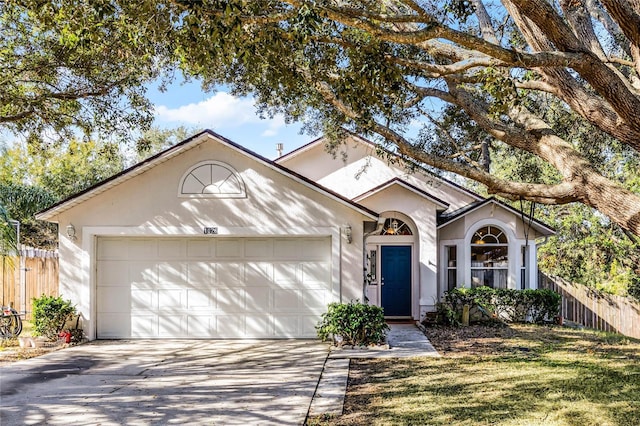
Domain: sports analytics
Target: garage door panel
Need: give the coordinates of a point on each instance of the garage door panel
(286, 325)
(199, 299)
(257, 273)
(258, 248)
(200, 272)
(172, 299)
(113, 299)
(142, 298)
(258, 326)
(110, 249)
(114, 325)
(230, 300)
(199, 248)
(172, 325)
(315, 249)
(200, 325)
(113, 273)
(228, 274)
(308, 325)
(285, 273)
(287, 248)
(315, 300)
(212, 287)
(229, 249)
(171, 248)
(142, 248)
(257, 299)
(144, 325)
(229, 326)
(287, 300)
(172, 273)
(316, 273)
(143, 271)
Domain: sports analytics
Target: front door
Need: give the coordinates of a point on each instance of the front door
(396, 281)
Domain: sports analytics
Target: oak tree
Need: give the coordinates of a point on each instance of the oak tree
(397, 70)
(383, 67)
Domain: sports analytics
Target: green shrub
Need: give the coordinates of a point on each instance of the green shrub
(50, 313)
(353, 323)
(529, 305)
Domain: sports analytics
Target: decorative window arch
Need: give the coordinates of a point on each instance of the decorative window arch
(393, 226)
(489, 257)
(212, 179)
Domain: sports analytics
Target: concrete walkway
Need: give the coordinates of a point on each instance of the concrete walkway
(404, 340)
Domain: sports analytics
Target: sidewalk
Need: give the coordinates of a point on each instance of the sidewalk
(404, 340)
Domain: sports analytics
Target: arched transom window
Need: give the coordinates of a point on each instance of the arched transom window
(489, 258)
(393, 226)
(212, 179)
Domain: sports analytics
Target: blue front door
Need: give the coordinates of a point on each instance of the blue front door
(396, 281)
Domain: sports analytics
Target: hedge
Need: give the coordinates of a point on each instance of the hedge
(537, 306)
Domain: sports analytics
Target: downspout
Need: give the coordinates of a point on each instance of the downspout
(376, 231)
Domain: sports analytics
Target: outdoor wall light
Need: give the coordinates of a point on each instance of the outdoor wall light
(347, 233)
(71, 232)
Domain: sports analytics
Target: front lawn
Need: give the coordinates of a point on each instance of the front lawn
(516, 375)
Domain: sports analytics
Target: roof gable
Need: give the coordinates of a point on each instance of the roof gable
(448, 218)
(374, 149)
(176, 150)
(443, 205)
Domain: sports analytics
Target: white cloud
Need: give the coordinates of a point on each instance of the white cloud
(275, 124)
(221, 111)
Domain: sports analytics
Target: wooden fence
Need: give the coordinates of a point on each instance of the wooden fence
(32, 274)
(595, 309)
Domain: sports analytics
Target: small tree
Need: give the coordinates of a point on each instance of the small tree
(50, 313)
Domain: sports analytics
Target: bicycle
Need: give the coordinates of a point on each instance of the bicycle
(10, 323)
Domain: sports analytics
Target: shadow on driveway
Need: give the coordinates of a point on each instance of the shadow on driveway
(165, 382)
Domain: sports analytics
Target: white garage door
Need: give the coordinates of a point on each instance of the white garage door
(212, 287)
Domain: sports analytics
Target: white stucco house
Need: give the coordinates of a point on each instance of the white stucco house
(209, 240)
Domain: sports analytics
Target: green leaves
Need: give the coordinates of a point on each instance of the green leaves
(353, 323)
(50, 313)
(536, 306)
(69, 66)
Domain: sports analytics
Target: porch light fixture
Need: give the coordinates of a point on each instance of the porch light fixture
(394, 226)
(71, 232)
(347, 233)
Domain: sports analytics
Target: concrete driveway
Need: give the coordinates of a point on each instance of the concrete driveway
(165, 382)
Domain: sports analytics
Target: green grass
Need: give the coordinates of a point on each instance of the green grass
(520, 375)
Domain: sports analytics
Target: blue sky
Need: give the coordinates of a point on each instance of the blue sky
(185, 104)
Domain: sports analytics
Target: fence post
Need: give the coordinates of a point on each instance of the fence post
(22, 277)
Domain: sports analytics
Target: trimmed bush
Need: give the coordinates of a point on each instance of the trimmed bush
(50, 313)
(353, 323)
(505, 304)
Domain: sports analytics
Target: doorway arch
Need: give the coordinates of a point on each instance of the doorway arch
(392, 253)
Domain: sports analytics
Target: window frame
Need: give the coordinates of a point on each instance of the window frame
(498, 240)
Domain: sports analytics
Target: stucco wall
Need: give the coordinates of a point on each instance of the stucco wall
(149, 205)
(422, 213)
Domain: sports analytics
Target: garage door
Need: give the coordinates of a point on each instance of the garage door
(212, 287)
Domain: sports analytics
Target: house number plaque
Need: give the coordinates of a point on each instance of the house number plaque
(210, 230)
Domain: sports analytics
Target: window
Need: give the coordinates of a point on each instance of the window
(373, 266)
(523, 268)
(489, 258)
(452, 265)
(394, 226)
(212, 179)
